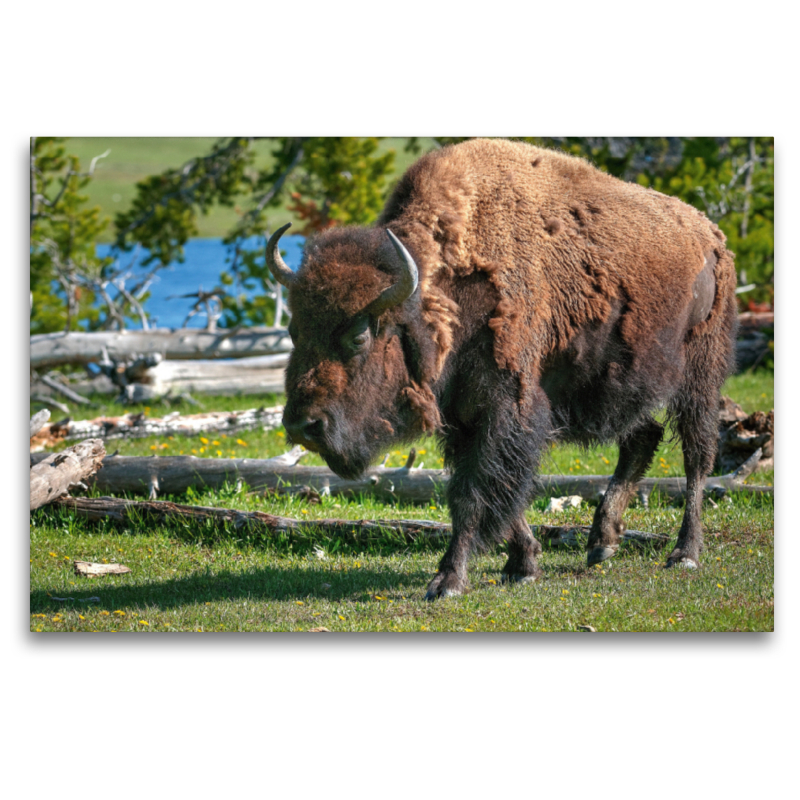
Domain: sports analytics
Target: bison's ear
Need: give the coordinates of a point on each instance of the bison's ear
(405, 285)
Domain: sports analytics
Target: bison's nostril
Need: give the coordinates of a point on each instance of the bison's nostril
(306, 431)
(313, 428)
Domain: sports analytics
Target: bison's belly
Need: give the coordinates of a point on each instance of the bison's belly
(600, 388)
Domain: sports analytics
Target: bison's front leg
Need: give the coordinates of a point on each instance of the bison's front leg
(493, 472)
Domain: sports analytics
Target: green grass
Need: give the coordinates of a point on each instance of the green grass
(201, 579)
(113, 186)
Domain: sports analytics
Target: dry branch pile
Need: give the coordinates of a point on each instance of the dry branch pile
(741, 435)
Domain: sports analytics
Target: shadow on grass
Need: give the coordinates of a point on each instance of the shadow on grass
(275, 584)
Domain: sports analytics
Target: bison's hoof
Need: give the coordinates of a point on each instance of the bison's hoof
(445, 585)
(522, 579)
(685, 562)
(600, 553)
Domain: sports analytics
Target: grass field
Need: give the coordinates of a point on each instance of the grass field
(198, 580)
(130, 160)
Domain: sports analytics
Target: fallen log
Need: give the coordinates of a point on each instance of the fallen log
(135, 426)
(57, 473)
(54, 349)
(260, 375)
(159, 512)
(175, 474)
(169, 379)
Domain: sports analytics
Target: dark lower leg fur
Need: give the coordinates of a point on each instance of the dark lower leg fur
(635, 455)
(523, 549)
(699, 437)
(709, 360)
(493, 468)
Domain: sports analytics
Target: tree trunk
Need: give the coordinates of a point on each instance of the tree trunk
(55, 474)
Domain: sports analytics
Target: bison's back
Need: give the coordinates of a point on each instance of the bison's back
(565, 245)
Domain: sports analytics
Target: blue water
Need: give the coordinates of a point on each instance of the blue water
(205, 260)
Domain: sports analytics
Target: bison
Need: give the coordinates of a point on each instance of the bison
(509, 296)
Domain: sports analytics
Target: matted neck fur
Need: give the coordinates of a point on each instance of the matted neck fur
(553, 301)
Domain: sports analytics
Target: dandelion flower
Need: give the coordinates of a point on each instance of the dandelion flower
(204, 440)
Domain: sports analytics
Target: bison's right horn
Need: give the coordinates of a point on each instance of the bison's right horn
(403, 287)
(276, 264)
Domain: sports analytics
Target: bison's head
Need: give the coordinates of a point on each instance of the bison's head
(356, 329)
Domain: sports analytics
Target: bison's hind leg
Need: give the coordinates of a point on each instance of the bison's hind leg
(636, 453)
(696, 423)
(523, 550)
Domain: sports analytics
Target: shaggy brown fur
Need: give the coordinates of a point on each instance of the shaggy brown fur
(559, 240)
(553, 300)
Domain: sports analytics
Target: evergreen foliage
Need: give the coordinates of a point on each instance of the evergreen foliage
(62, 239)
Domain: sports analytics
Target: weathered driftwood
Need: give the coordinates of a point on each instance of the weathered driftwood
(91, 569)
(259, 375)
(54, 349)
(175, 474)
(57, 473)
(135, 426)
(39, 421)
(159, 511)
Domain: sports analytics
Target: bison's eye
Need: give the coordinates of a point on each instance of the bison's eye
(357, 337)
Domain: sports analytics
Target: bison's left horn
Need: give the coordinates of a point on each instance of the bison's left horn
(276, 264)
(403, 287)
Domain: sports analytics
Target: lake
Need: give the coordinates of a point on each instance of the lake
(205, 260)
